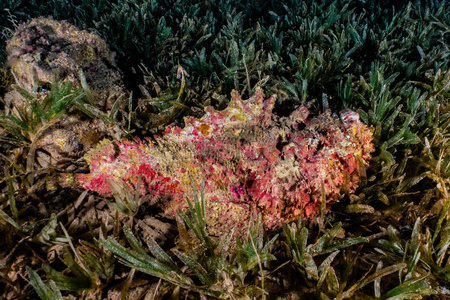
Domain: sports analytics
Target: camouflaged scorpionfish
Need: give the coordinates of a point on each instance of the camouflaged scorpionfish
(251, 161)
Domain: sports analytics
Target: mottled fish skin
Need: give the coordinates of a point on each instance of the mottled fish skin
(251, 161)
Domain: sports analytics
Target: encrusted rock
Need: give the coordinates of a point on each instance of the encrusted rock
(44, 49)
(68, 138)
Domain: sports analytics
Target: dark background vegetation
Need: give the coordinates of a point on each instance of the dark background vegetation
(388, 60)
(209, 38)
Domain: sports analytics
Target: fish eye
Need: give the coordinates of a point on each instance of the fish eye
(44, 86)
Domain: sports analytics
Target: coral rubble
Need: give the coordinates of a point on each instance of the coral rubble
(251, 161)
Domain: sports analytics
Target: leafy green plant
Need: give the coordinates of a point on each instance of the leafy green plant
(127, 199)
(305, 256)
(166, 106)
(331, 279)
(29, 121)
(86, 104)
(207, 258)
(426, 250)
(89, 265)
(31, 234)
(46, 291)
(414, 279)
(47, 235)
(38, 114)
(251, 253)
(159, 264)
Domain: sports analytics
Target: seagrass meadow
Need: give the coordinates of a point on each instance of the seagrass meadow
(224, 149)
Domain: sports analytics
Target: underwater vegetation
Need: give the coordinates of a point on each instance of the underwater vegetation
(330, 182)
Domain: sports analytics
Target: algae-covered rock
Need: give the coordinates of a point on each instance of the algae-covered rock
(44, 49)
(50, 58)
